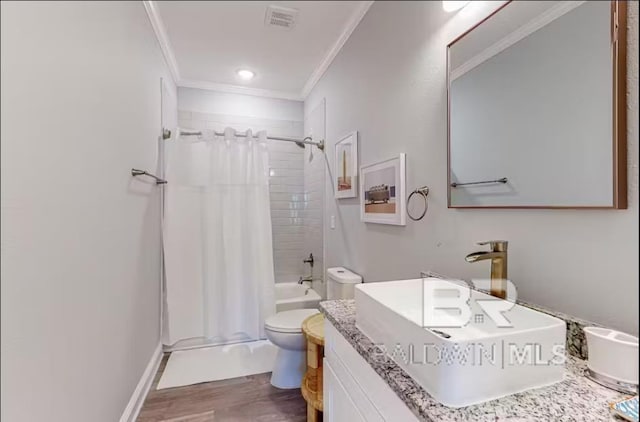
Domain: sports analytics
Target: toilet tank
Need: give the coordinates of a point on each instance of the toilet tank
(341, 283)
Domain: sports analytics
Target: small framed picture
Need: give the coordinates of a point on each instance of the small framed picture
(382, 192)
(346, 166)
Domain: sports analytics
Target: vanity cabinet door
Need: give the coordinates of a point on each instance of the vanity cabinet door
(374, 400)
(338, 406)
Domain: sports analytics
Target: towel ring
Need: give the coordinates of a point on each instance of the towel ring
(423, 192)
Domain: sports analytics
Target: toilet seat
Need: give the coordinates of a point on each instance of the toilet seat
(288, 321)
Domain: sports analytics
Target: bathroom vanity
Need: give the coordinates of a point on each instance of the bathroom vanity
(361, 384)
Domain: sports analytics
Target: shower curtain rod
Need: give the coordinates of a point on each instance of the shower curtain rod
(308, 140)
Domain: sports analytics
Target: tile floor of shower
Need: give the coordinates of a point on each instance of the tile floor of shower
(250, 398)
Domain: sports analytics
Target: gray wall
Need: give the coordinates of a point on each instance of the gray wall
(80, 237)
(389, 83)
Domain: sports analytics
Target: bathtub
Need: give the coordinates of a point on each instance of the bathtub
(295, 296)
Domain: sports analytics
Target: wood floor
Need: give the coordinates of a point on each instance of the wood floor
(245, 399)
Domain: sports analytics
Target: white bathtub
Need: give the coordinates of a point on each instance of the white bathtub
(295, 296)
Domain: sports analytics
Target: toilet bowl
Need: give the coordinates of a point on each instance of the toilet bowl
(284, 330)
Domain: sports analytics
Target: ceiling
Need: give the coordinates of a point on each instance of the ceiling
(206, 42)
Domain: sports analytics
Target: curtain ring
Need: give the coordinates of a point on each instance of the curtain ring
(423, 192)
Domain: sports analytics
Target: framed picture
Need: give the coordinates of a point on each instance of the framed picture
(346, 167)
(382, 192)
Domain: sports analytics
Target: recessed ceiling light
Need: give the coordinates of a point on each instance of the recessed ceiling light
(452, 6)
(245, 74)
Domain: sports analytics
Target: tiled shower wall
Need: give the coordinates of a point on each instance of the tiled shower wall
(314, 179)
(313, 214)
(286, 162)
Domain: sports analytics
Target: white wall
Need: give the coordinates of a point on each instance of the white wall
(214, 102)
(389, 83)
(204, 109)
(80, 237)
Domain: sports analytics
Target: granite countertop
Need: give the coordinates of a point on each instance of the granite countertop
(576, 398)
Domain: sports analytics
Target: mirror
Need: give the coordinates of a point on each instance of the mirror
(537, 103)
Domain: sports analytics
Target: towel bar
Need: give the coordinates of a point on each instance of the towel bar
(136, 172)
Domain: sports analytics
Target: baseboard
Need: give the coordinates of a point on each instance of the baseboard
(130, 413)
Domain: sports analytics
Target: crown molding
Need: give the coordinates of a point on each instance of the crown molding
(236, 89)
(163, 39)
(525, 30)
(352, 23)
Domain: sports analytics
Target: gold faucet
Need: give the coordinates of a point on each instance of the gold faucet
(498, 257)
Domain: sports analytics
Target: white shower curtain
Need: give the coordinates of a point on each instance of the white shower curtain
(217, 238)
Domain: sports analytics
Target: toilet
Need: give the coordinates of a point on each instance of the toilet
(284, 330)
(341, 283)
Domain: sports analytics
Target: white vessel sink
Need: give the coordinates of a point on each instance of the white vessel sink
(479, 361)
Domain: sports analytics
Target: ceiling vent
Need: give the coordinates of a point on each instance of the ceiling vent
(280, 17)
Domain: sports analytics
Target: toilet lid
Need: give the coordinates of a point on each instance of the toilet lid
(289, 321)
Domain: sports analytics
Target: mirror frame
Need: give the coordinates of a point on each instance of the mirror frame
(619, 135)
